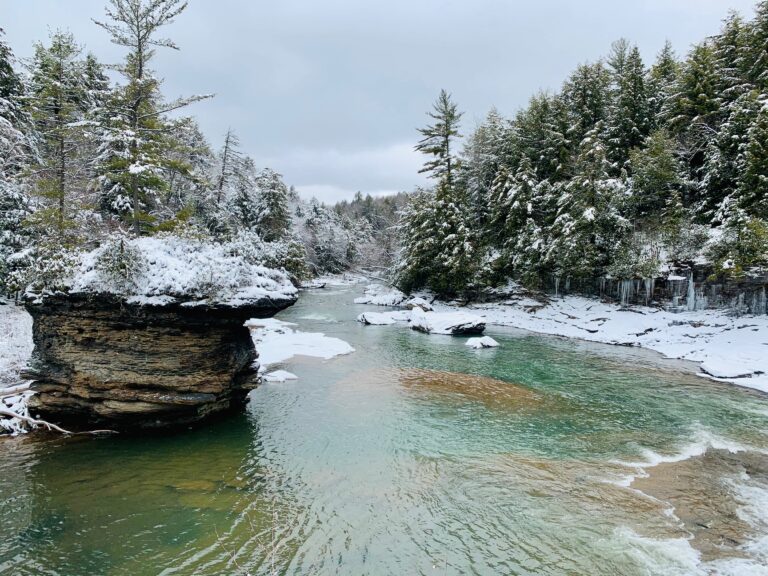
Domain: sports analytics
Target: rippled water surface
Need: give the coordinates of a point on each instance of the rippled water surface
(415, 455)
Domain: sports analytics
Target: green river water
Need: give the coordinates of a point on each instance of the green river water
(414, 455)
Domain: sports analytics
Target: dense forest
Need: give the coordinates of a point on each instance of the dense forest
(626, 171)
(91, 153)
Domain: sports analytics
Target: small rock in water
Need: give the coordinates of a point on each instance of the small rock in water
(484, 342)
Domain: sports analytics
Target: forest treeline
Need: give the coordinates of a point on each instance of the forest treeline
(625, 171)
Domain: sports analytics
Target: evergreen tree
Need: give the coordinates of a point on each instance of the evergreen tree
(438, 137)
(272, 219)
(753, 187)
(483, 155)
(137, 139)
(588, 227)
(540, 132)
(586, 95)
(656, 176)
(726, 157)
(630, 116)
(755, 49)
(663, 79)
(57, 100)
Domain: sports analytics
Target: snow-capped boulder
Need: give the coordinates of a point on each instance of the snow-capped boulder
(375, 319)
(449, 323)
(380, 295)
(483, 342)
(384, 318)
(419, 303)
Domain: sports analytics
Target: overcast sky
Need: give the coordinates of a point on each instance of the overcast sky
(329, 92)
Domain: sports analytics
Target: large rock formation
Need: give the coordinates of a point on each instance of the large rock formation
(99, 359)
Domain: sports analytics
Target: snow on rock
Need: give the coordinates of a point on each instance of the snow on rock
(733, 349)
(15, 348)
(449, 323)
(384, 318)
(167, 268)
(280, 376)
(418, 303)
(276, 341)
(380, 295)
(484, 342)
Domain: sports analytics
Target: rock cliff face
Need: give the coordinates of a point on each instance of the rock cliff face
(100, 360)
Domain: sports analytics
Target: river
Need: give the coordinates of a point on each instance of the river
(414, 455)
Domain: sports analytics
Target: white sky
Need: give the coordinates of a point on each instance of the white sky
(330, 92)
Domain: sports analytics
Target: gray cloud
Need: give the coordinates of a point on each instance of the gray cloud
(330, 92)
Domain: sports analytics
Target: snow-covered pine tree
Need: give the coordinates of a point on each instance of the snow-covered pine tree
(483, 154)
(586, 95)
(657, 175)
(420, 245)
(540, 132)
(630, 116)
(454, 268)
(752, 192)
(438, 138)
(14, 203)
(755, 49)
(272, 217)
(588, 227)
(662, 81)
(726, 153)
(137, 139)
(57, 100)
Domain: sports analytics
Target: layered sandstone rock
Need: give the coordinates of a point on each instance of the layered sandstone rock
(99, 359)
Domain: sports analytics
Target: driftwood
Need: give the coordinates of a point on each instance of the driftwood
(49, 426)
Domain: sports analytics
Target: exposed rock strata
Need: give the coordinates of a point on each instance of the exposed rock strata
(100, 360)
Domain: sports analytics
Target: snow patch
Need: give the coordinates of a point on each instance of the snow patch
(380, 295)
(276, 341)
(280, 376)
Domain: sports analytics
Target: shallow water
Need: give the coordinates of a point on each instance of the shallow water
(415, 455)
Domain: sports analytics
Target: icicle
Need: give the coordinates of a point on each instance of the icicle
(691, 299)
(648, 290)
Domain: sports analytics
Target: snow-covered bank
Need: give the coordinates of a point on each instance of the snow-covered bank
(15, 348)
(277, 341)
(730, 349)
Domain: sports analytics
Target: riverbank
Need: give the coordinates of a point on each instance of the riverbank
(727, 348)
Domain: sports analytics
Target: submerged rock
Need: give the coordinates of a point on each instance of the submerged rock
(99, 359)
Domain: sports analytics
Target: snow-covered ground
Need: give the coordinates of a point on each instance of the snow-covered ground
(277, 341)
(15, 348)
(730, 349)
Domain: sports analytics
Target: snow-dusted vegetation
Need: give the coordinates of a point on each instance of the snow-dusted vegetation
(158, 270)
(15, 348)
(629, 171)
